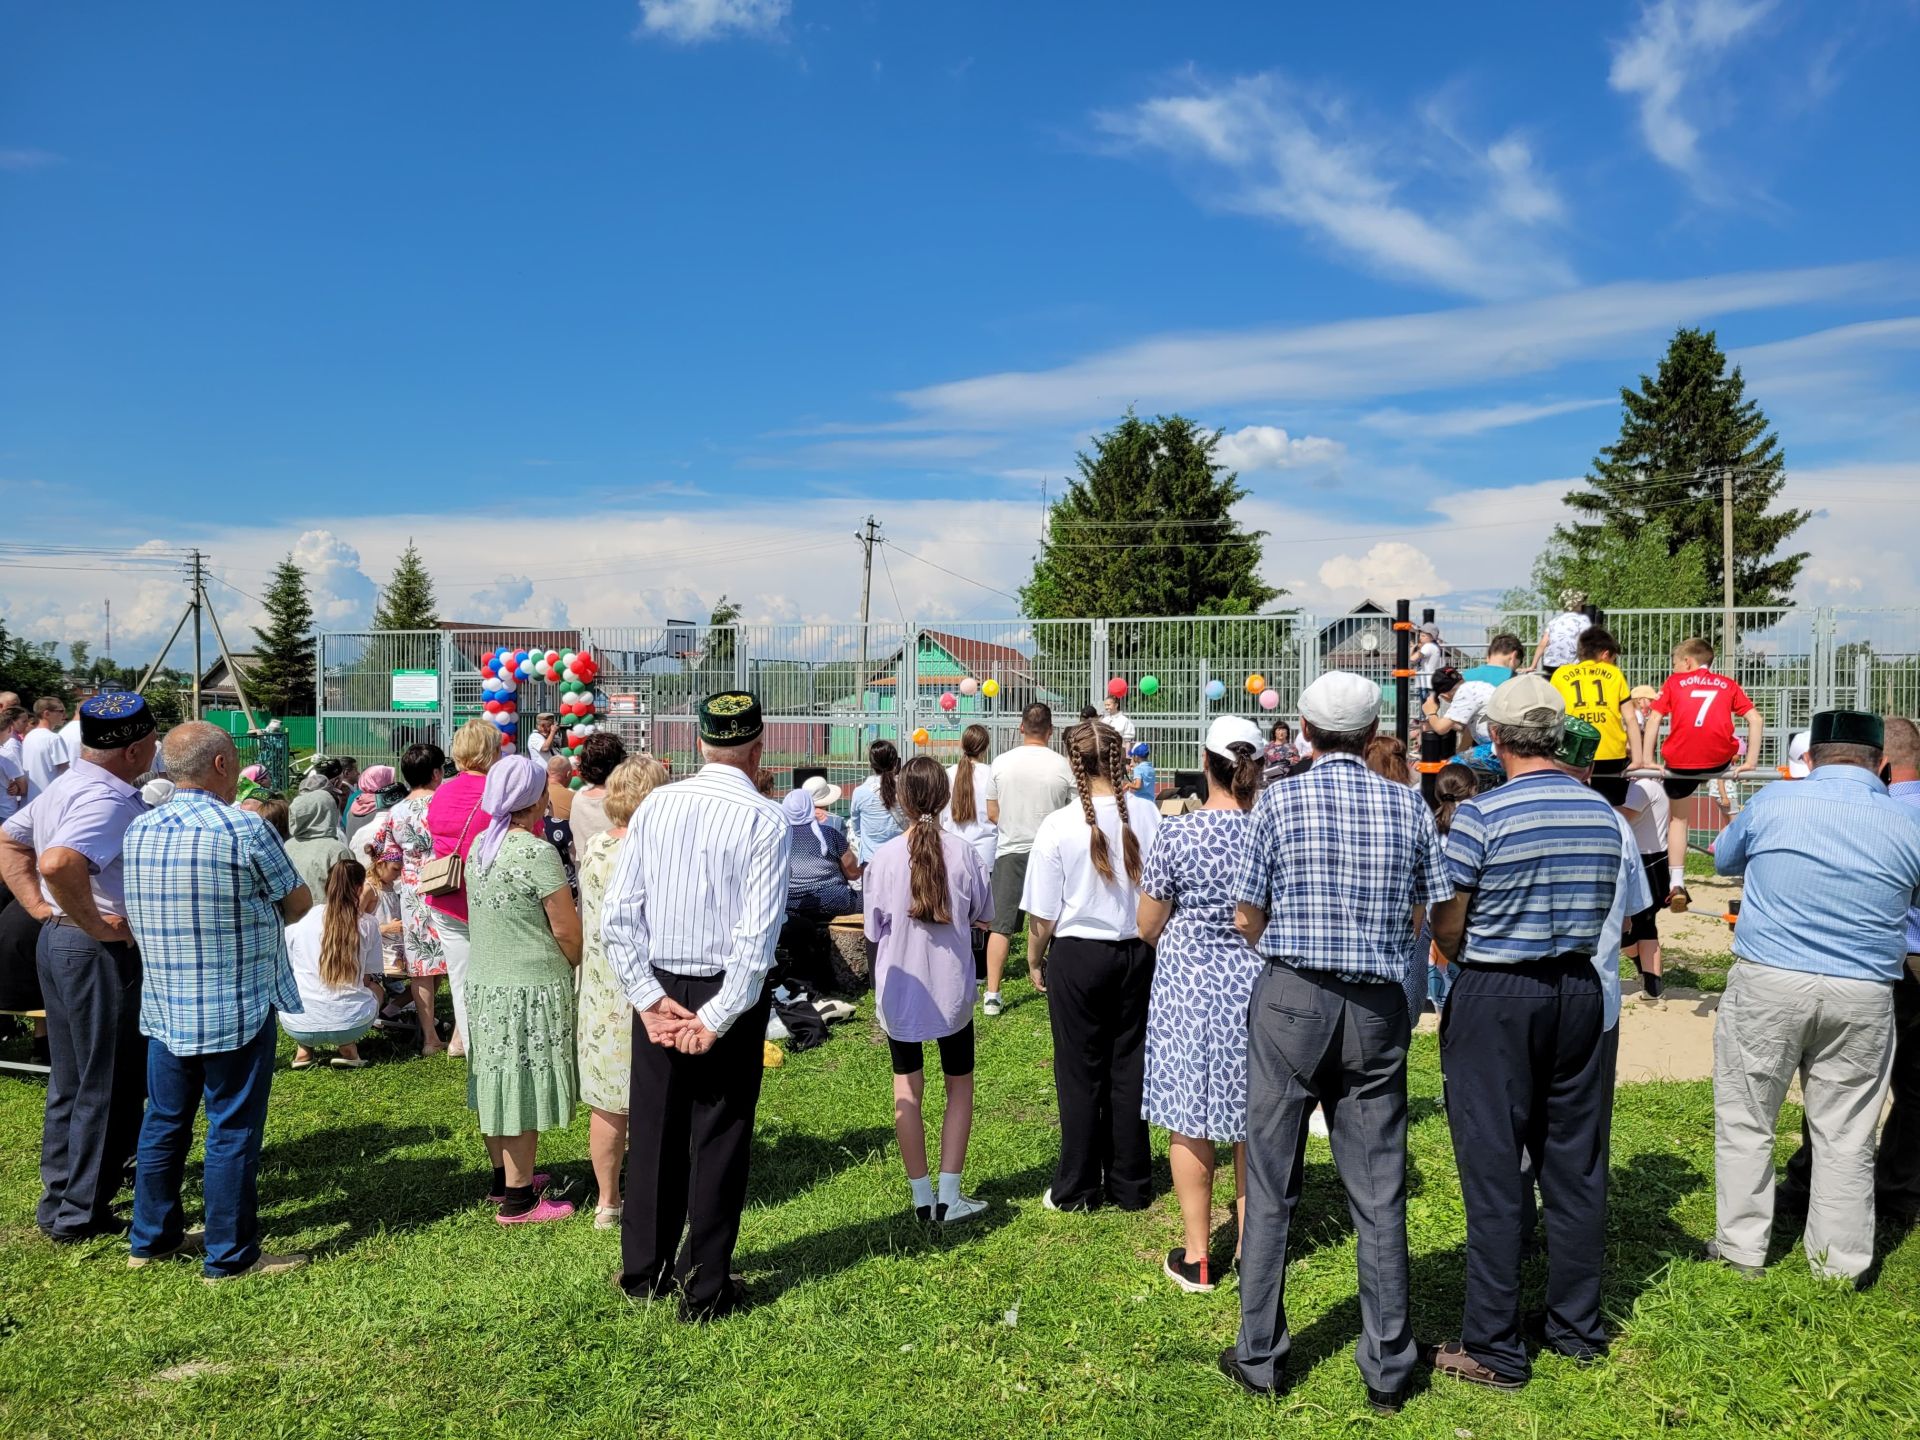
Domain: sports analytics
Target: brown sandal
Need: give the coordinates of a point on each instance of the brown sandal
(1452, 1359)
(1678, 900)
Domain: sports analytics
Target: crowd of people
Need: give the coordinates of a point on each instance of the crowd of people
(1232, 972)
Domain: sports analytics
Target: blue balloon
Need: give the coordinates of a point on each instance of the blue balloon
(519, 657)
(1216, 689)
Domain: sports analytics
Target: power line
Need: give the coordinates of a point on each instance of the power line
(911, 555)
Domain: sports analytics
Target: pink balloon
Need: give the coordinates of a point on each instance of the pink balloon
(1269, 700)
(949, 700)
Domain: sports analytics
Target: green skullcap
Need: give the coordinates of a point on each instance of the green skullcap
(1578, 741)
(731, 718)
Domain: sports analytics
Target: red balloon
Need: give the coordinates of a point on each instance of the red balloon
(1116, 687)
(493, 707)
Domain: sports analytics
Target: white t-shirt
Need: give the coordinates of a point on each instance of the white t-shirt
(324, 1008)
(1427, 659)
(1647, 812)
(1062, 885)
(1468, 708)
(982, 834)
(43, 756)
(1122, 722)
(1032, 782)
(1563, 637)
(9, 772)
(537, 745)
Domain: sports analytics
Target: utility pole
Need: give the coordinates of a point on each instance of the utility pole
(1728, 638)
(867, 538)
(199, 601)
(109, 626)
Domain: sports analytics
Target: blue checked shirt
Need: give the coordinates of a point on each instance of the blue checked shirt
(204, 886)
(1337, 858)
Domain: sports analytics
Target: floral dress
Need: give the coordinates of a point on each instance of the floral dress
(521, 1071)
(604, 1020)
(406, 826)
(1202, 980)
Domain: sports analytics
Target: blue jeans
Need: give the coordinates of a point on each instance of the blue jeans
(234, 1085)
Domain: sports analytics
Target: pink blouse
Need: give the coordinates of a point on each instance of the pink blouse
(447, 815)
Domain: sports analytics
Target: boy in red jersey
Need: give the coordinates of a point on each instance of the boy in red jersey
(1700, 704)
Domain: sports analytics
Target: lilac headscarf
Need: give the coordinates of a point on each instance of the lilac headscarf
(514, 783)
(798, 808)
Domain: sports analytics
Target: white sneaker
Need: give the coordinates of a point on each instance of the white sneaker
(992, 1005)
(1046, 1200)
(1317, 1123)
(964, 1208)
(834, 1012)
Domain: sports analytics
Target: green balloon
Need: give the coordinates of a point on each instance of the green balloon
(567, 719)
(1149, 685)
(576, 783)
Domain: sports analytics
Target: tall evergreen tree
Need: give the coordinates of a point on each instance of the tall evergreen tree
(281, 678)
(1679, 432)
(1147, 529)
(407, 602)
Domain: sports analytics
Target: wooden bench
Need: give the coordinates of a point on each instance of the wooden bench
(26, 1067)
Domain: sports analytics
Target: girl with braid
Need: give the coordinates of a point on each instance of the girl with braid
(926, 893)
(1083, 896)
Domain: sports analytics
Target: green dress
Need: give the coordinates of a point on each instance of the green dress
(521, 1071)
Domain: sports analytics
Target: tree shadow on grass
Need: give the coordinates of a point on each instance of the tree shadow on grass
(795, 1161)
(324, 1179)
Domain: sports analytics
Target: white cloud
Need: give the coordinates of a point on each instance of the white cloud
(693, 22)
(343, 595)
(1267, 447)
(1825, 356)
(1452, 424)
(1261, 146)
(20, 159)
(1389, 570)
(1385, 355)
(1672, 51)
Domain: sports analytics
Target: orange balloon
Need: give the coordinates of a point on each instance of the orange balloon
(1255, 684)
(920, 737)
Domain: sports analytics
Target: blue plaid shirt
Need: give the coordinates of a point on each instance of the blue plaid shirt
(1337, 858)
(204, 885)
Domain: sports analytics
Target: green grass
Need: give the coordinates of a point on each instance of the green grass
(1702, 970)
(421, 1317)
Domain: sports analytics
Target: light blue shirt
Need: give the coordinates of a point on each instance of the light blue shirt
(1832, 867)
(1908, 792)
(869, 822)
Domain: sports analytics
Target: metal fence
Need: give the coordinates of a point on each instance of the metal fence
(829, 690)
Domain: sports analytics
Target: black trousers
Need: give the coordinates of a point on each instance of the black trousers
(689, 1139)
(1097, 1000)
(1896, 1168)
(98, 1083)
(1528, 1074)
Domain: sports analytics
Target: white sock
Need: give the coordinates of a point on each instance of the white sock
(949, 1188)
(991, 995)
(922, 1190)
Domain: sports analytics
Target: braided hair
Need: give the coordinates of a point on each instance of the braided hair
(885, 761)
(923, 791)
(973, 751)
(1096, 750)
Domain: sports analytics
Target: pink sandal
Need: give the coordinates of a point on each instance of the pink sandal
(544, 1210)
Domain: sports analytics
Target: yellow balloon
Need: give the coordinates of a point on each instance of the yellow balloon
(920, 737)
(1255, 684)
(989, 688)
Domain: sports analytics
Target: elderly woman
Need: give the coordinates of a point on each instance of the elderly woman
(604, 1020)
(522, 1077)
(313, 823)
(455, 818)
(374, 780)
(601, 753)
(819, 865)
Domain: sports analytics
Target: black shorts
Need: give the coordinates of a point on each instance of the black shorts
(1009, 879)
(956, 1054)
(1608, 783)
(1645, 926)
(1682, 788)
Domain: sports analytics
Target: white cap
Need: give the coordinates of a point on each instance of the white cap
(1797, 767)
(1340, 702)
(1227, 731)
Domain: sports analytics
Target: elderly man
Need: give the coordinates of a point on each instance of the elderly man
(1336, 868)
(689, 922)
(1832, 869)
(88, 967)
(540, 743)
(1536, 864)
(43, 753)
(209, 892)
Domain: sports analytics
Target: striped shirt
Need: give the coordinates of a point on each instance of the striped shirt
(204, 886)
(1338, 857)
(1542, 856)
(699, 888)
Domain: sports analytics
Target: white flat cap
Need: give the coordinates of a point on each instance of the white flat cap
(1340, 702)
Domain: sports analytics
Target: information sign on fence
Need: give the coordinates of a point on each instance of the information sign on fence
(416, 690)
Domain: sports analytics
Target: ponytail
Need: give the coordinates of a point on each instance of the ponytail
(340, 925)
(885, 761)
(924, 791)
(1239, 776)
(1453, 785)
(973, 749)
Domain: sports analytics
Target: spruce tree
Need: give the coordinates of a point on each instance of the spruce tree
(1679, 433)
(280, 680)
(1147, 529)
(407, 603)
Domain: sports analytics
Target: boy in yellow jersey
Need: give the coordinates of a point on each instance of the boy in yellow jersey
(1597, 692)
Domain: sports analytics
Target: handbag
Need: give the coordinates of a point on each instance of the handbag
(447, 873)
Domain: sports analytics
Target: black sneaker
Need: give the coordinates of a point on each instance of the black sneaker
(1195, 1277)
(1382, 1402)
(1230, 1367)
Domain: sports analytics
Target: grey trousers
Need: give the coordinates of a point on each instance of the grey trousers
(1838, 1036)
(1312, 1039)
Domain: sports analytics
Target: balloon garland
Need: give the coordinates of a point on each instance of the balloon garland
(503, 671)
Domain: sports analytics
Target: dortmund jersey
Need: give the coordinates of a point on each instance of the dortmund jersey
(1595, 691)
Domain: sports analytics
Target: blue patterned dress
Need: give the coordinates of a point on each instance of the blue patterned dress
(1202, 981)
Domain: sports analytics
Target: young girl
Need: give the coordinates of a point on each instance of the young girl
(926, 892)
(382, 901)
(1083, 897)
(974, 814)
(873, 816)
(1454, 784)
(334, 950)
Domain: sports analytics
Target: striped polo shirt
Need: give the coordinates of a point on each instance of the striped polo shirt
(1541, 855)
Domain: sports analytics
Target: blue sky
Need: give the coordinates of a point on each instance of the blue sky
(616, 307)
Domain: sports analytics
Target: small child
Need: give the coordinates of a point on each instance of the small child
(1700, 705)
(1141, 776)
(1647, 813)
(1426, 660)
(1452, 786)
(381, 900)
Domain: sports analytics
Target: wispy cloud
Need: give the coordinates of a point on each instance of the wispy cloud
(1267, 447)
(1414, 201)
(1453, 424)
(1672, 52)
(693, 22)
(18, 159)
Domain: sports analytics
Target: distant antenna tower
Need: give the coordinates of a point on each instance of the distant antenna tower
(109, 649)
